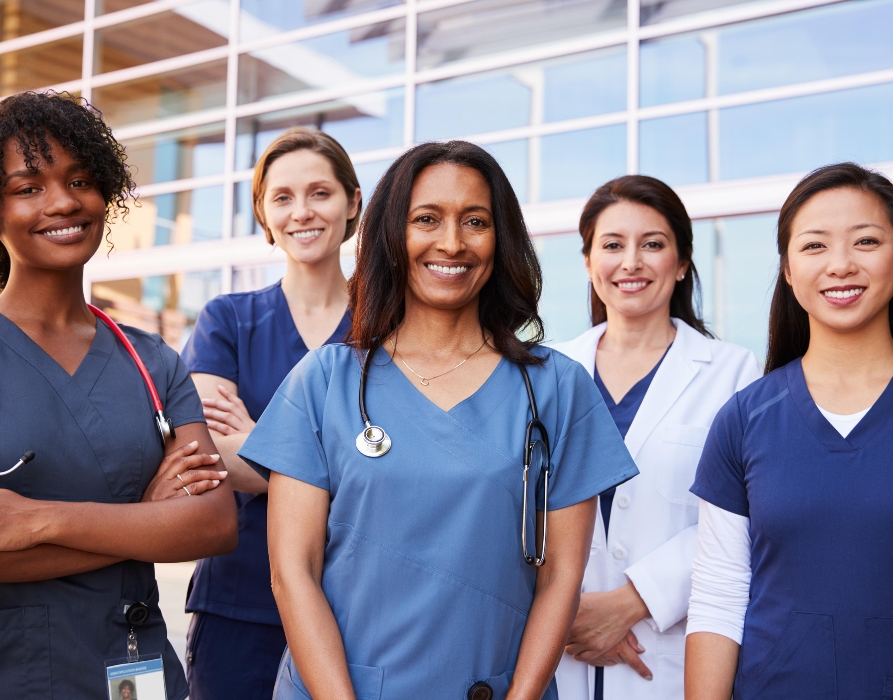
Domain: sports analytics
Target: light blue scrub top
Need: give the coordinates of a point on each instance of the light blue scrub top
(423, 565)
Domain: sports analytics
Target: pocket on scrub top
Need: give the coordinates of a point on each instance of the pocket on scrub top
(801, 663)
(682, 447)
(366, 681)
(880, 648)
(25, 652)
(498, 684)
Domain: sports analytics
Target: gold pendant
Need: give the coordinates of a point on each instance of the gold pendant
(424, 381)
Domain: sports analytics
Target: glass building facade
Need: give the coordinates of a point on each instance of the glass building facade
(729, 101)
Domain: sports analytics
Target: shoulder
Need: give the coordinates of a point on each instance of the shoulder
(557, 368)
(583, 345)
(152, 349)
(241, 303)
(319, 367)
(720, 354)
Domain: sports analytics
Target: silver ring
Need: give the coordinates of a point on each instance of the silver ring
(186, 490)
(181, 479)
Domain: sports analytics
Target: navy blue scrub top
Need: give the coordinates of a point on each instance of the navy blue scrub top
(623, 414)
(251, 339)
(94, 437)
(423, 563)
(820, 620)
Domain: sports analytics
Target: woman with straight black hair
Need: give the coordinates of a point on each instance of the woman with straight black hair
(395, 550)
(663, 379)
(792, 594)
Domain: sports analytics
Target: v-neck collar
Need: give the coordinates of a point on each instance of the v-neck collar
(408, 391)
(635, 391)
(875, 420)
(88, 370)
(287, 323)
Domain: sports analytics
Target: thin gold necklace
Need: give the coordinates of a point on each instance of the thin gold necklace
(425, 381)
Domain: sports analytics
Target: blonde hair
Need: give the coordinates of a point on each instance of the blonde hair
(300, 138)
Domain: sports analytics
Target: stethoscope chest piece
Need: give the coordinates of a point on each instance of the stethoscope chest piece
(373, 441)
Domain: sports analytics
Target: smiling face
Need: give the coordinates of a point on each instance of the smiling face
(840, 259)
(51, 219)
(305, 206)
(450, 237)
(634, 263)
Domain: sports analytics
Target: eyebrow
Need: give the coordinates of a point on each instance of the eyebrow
(439, 207)
(616, 234)
(74, 167)
(822, 232)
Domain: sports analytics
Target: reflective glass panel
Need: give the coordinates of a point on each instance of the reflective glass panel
(171, 219)
(22, 17)
(486, 27)
(576, 163)
(513, 157)
(154, 38)
(824, 42)
(671, 70)
(369, 174)
(41, 66)
(704, 259)
(175, 155)
(104, 7)
(674, 149)
(166, 304)
(263, 18)
(323, 62)
(748, 267)
(654, 11)
(359, 123)
(244, 223)
(564, 305)
(249, 278)
(803, 133)
(164, 95)
(585, 85)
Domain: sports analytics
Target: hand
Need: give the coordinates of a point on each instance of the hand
(626, 652)
(182, 468)
(603, 620)
(227, 415)
(20, 522)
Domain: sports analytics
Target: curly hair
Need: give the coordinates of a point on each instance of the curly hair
(31, 118)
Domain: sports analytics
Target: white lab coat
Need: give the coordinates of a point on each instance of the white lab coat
(654, 518)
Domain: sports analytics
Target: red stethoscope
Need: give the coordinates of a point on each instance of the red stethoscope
(163, 424)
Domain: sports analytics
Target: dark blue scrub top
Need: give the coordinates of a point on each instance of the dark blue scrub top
(95, 440)
(623, 414)
(250, 339)
(820, 620)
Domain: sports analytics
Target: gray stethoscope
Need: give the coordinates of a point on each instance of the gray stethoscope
(373, 441)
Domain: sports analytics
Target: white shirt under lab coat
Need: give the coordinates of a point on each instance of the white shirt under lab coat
(653, 533)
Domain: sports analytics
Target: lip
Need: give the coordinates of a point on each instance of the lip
(296, 235)
(844, 300)
(67, 238)
(450, 276)
(641, 284)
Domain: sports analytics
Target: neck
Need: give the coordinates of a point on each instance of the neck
(315, 287)
(439, 332)
(632, 333)
(50, 299)
(845, 357)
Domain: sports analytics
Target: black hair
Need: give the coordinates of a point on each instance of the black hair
(31, 118)
(788, 321)
(508, 300)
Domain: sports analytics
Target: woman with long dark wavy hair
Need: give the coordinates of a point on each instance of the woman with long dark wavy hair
(791, 593)
(663, 378)
(397, 562)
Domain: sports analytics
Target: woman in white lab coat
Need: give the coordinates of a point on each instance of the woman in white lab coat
(663, 378)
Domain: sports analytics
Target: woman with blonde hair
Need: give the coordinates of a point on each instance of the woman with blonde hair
(307, 199)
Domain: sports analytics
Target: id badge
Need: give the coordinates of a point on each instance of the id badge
(136, 680)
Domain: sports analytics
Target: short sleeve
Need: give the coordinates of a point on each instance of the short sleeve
(212, 348)
(589, 456)
(720, 476)
(291, 425)
(182, 403)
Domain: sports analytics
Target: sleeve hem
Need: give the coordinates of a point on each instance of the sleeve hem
(264, 470)
(584, 494)
(216, 371)
(714, 627)
(712, 499)
(652, 594)
(188, 420)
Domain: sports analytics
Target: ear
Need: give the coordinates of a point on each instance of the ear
(586, 265)
(354, 205)
(683, 270)
(786, 271)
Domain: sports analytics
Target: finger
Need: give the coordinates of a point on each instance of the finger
(634, 642)
(225, 418)
(199, 487)
(184, 464)
(227, 394)
(630, 657)
(587, 657)
(193, 476)
(608, 659)
(221, 428)
(217, 403)
(168, 464)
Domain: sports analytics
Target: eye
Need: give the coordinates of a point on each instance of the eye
(280, 199)
(28, 190)
(478, 222)
(868, 240)
(81, 184)
(321, 194)
(612, 245)
(654, 245)
(813, 246)
(424, 219)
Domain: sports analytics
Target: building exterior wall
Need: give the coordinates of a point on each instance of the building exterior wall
(729, 102)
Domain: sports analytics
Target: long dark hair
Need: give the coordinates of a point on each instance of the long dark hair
(650, 192)
(788, 321)
(377, 288)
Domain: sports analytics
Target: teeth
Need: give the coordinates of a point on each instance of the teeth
(64, 231)
(448, 270)
(632, 285)
(844, 294)
(306, 234)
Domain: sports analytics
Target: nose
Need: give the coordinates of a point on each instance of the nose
(840, 262)
(451, 241)
(302, 211)
(61, 201)
(632, 259)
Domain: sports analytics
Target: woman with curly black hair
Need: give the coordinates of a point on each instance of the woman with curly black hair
(103, 496)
